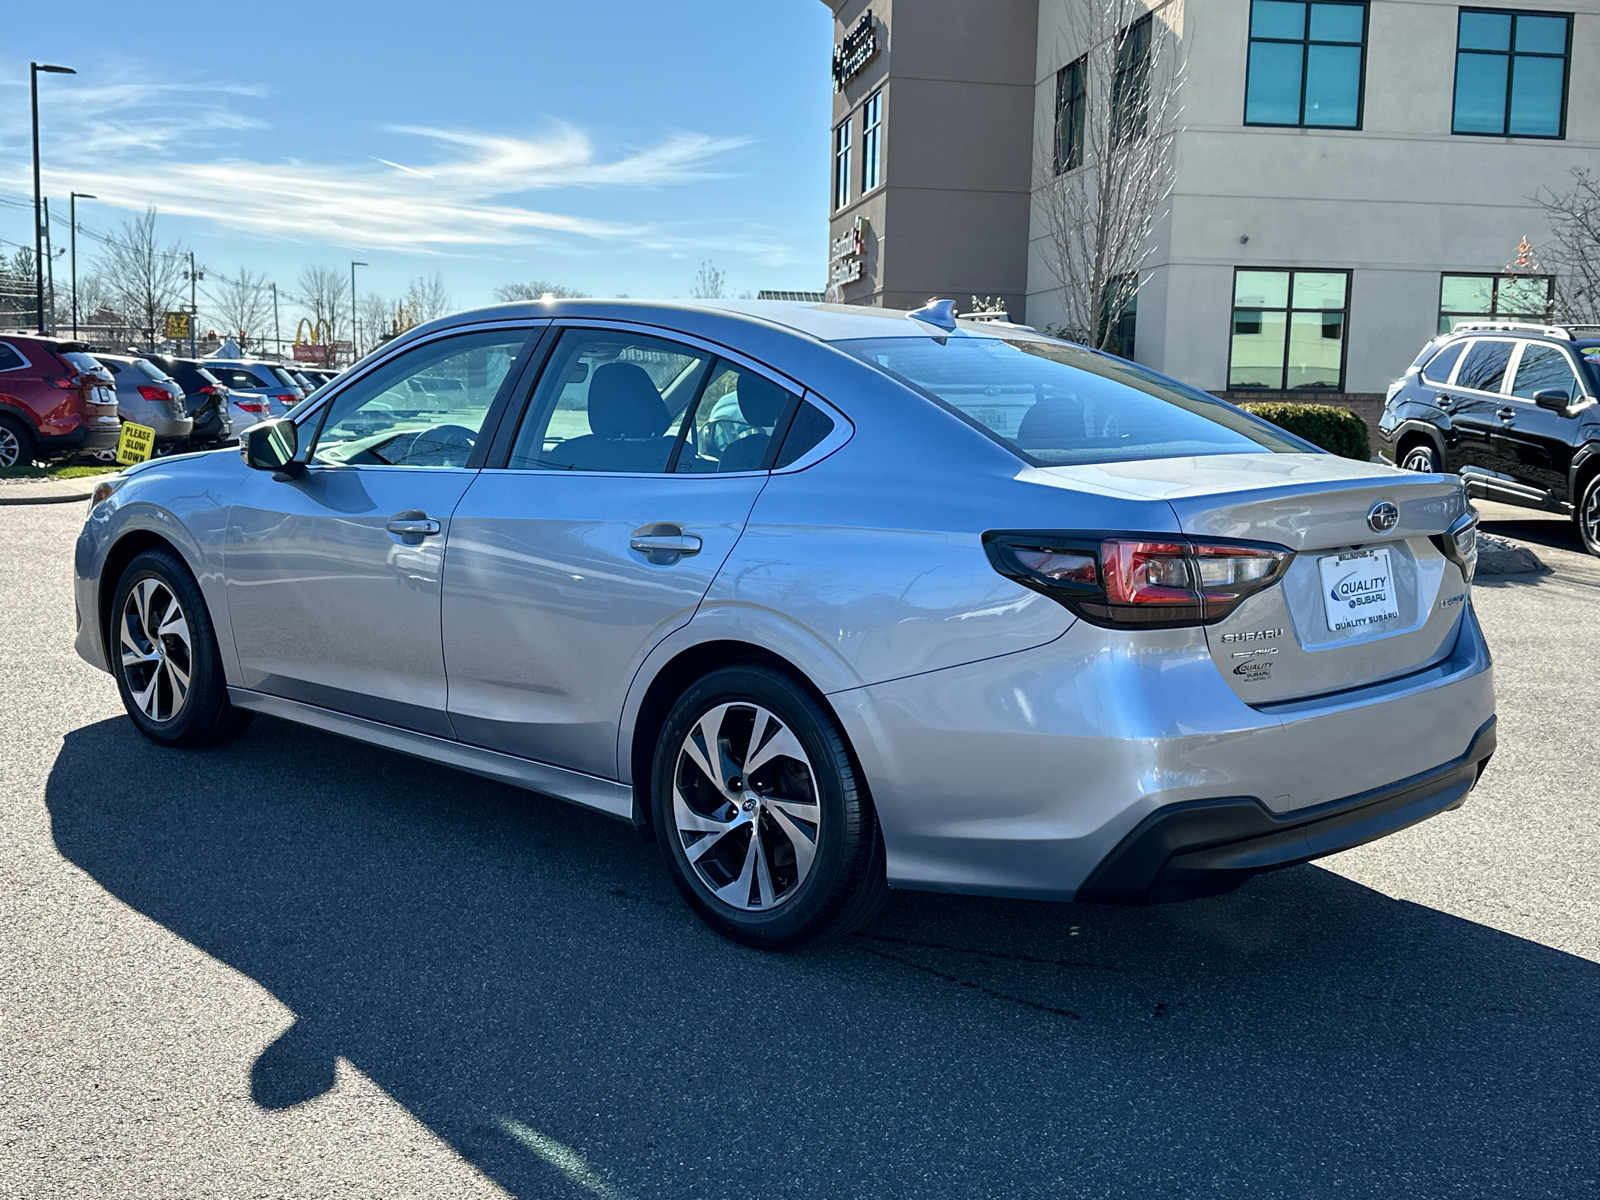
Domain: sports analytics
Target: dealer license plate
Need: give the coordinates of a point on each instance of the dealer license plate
(1358, 589)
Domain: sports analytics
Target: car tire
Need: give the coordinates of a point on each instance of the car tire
(1420, 457)
(790, 853)
(1587, 515)
(163, 652)
(16, 442)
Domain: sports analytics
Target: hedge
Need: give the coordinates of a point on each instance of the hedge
(1335, 429)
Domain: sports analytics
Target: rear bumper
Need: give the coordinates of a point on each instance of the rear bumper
(1205, 847)
(98, 435)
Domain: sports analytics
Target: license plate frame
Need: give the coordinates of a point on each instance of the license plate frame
(1358, 589)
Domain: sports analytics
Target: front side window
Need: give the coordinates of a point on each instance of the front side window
(1484, 367)
(1056, 404)
(1071, 105)
(1306, 64)
(841, 164)
(1130, 88)
(424, 408)
(1288, 330)
(872, 142)
(1511, 73)
(1544, 369)
(1480, 297)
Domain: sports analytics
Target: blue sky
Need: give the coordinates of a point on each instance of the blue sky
(612, 145)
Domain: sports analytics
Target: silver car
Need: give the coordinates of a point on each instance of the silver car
(256, 390)
(825, 600)
(148, 396)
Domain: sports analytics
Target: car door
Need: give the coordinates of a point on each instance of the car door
(1537, 443)
(1476, 407)
(630, 477)
(333, 577)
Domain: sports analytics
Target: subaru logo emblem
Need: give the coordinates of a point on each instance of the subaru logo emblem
(1383, 517)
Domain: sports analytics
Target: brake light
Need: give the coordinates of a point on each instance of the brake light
(288, 397)
(68, 383)
(254, 406)
(1138, 581)
(151, 392)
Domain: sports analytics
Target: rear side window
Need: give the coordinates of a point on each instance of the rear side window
(1484, 367)
(1440, 365)
(1055, 404)
(806, 431)
(10, 360)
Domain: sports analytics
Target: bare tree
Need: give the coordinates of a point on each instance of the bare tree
(241, 307)
(1104, 172)
(427, 299)
(708, 283)
(324, 292)
(380, 318)
(537, 289)
(17, 298)
(145, 279)
(1574, 249)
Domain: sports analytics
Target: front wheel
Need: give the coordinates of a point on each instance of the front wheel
(1421, 457)
(761, 815)
(1587, 516)
(164, 655)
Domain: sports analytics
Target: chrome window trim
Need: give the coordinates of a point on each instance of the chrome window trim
(25, 364)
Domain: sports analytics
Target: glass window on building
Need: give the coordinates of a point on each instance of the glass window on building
(1130, 89)
(1494, 297)
(1119, 316)
(872, 142)
(841, 164)
(1072, 101)
(1288, 330)
(1306, 64)
(1511, 73)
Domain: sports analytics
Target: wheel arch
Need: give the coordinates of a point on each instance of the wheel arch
(122, 552)
(1411, 432)
(1585, 465)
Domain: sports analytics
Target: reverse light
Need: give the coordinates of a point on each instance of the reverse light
(1138, 581)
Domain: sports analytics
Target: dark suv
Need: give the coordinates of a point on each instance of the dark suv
(1512, 408)
(55, 400)
(205, 396)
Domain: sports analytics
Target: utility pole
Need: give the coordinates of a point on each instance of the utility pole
(38, 224)
(354, 330)
(73, 205)
(277, 334)
(194, 311)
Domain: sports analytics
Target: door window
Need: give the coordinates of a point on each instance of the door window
(609, 401)
(1484, 368)
(733, 422)
(1544, 369)
(424, 408)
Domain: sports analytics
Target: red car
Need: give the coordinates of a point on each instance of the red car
(55, 400)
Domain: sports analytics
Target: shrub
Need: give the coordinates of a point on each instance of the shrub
(1335, 429)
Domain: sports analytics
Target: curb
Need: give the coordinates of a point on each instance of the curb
(52, 498)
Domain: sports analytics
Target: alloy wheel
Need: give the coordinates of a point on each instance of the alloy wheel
(10, 447)
(1589, 519)
(157, 655)
(745, 803)
(1418, 458)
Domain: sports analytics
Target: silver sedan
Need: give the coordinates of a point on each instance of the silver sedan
(826, 600)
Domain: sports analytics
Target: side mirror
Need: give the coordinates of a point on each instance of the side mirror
(1557, 400)
(271, 446)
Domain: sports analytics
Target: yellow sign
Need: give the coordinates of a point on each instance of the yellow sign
(178, 325)
(135, 444)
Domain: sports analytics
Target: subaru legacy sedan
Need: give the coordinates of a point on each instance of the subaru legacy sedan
(824, 600)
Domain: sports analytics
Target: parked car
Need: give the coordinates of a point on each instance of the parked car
(256, 389)
(205, 397)
(148, 396)
(1140, 648)
(1512, 408)
(55, 401)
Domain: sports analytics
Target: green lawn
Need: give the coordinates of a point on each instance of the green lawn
(56, 472)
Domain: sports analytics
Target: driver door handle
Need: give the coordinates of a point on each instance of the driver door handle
(664, 543)
(1505, 414)
(413, 526)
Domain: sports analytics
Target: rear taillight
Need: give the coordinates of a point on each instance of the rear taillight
(253, 406)
(68, 383)
(1459, 544)
(288, 398)
(155, 394)
(1138, 581)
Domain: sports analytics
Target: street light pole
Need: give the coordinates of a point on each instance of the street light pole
(73, 205)
(38, 225)
(353, 327)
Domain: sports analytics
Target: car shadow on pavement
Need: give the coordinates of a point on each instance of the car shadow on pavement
(522, 976)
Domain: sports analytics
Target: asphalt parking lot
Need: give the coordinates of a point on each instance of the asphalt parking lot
(296, 966)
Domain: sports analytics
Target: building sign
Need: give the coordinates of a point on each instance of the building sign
(177, 326)
(846, 254)
(860, 46)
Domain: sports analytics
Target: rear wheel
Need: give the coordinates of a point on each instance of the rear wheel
(1587, 515)
(164, 655)
(761, 815)
(16, 442)
(1420, 457)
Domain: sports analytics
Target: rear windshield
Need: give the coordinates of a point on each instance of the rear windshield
(1055, 404)
(80, 360)
(150, 369)
(285, 376)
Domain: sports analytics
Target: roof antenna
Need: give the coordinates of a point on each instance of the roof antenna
(941, 313)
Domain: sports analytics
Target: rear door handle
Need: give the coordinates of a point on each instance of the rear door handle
(412, 527)
(1505, 414)
(664, 543)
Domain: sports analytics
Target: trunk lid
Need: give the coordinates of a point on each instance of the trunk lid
(1358, 605)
